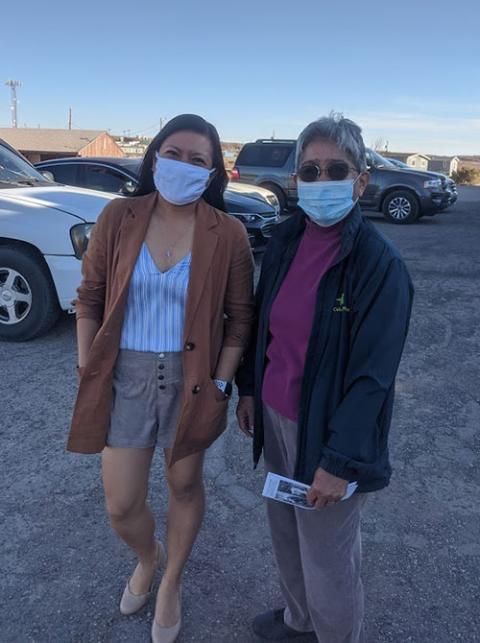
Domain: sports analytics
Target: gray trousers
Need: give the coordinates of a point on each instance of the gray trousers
(318, 553)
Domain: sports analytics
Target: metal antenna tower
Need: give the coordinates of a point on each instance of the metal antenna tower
(13, 84)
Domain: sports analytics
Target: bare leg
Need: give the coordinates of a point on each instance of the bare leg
(125, 479)
(186, 507)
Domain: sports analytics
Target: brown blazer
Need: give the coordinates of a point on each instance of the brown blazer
(219, 312)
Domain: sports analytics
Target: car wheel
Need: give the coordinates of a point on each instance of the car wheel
(28, 302)
(401, 207)
(278, 192)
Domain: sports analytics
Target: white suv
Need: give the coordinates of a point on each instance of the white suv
(44, 231)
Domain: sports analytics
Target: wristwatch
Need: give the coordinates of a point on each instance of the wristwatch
(224, 386)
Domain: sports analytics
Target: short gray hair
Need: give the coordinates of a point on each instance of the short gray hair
(341, 131)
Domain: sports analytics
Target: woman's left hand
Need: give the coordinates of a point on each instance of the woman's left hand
(326, 489)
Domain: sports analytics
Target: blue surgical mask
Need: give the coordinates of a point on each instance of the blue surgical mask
(180, 183)
(326, 202)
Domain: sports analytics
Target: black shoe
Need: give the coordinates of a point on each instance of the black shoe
(271, 626)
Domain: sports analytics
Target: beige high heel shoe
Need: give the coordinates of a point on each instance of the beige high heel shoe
(161, 634)
(131, 603)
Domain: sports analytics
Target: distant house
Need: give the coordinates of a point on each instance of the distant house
(413, 159)
(132, 146)
(443, 164)
(38, 144)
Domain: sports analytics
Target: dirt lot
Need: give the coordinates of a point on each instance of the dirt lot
(64, 570)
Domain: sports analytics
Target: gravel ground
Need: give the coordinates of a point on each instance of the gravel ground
(64, 569)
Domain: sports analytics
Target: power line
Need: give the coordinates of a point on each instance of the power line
(148, 129)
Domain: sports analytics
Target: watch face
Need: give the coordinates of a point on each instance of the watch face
(228, 389)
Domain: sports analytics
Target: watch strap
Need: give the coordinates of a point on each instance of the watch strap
(224, 386)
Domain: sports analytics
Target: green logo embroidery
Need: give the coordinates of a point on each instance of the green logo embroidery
(341, 308)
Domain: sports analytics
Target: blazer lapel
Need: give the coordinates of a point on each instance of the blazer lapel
(131, 236)
(204, 244)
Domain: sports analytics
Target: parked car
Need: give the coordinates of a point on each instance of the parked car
(397, 163)
(256, 208)
(403, 195)
(44, 231)
(451, 186)
(270, 164)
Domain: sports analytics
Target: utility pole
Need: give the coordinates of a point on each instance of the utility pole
(13, 84)
(69, 118)
(161, 123)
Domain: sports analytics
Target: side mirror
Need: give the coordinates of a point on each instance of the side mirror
(48, 175)
(129, 187)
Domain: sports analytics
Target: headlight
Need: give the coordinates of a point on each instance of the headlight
(433, 183)
(272, 199)
(247, 218)
(80, 236)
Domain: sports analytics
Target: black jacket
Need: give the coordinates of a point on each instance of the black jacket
(359, 329)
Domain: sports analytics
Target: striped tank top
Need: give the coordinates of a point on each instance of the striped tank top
(155, 310)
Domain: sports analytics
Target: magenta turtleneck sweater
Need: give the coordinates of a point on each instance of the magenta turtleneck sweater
(292, 314)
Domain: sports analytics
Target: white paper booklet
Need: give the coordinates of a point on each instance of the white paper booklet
(293, 492)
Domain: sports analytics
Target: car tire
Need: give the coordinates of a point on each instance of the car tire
(28, 301)
(401, 207)
(278, 192)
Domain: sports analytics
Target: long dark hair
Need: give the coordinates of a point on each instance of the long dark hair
(213, 195)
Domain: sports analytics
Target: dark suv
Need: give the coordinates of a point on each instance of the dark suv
(403, 195)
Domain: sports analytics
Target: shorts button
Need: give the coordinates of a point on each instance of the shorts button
(162, 355)
(196, 389)
(162, 387)
(161, 377)
(161, 367)
(189, 346)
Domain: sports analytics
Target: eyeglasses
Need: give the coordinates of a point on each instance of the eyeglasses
(336, 171)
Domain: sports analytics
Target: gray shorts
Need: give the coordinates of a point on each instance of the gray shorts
(147, 392)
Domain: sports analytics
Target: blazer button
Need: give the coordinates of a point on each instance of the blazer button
(196, 389)
(189, 346)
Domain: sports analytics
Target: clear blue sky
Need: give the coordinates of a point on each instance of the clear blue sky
(407, 72)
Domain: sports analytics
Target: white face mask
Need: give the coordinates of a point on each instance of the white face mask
(326, 202)
(180, 183)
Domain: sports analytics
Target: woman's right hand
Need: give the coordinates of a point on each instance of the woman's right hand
(246, 414)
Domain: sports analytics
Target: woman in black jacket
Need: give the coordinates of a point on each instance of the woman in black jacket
(333, 308)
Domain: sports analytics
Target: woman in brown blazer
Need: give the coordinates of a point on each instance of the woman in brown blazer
(164, 313)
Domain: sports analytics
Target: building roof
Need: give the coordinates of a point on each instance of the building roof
(35, 139)
(402, 155)
(437, 157)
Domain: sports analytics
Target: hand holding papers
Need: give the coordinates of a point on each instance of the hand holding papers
(293, 492)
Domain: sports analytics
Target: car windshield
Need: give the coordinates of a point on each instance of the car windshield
(132, 165)
(16, 171)
(379, 161)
